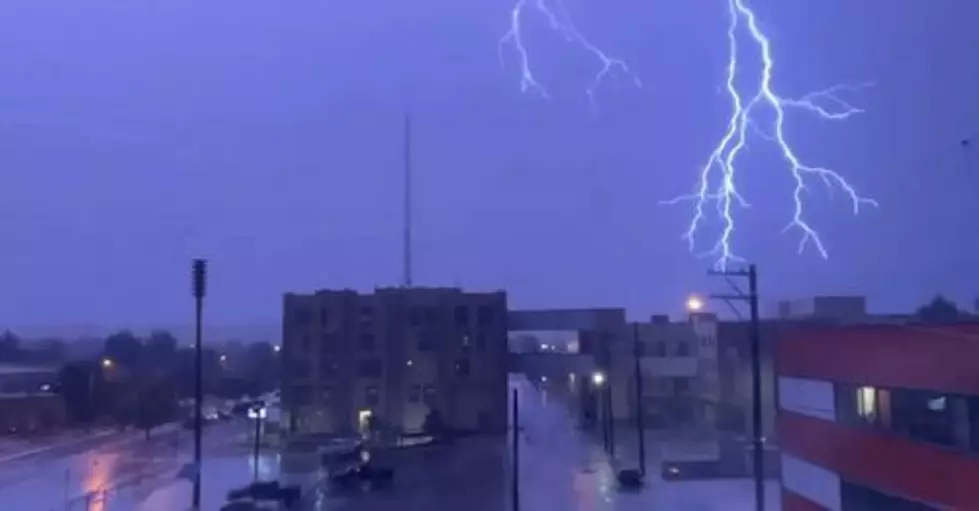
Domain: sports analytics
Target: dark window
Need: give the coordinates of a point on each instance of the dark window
(462, 315)
(480, 342)
(431, 316)
(683, 349)
(367, 342)
(366, 312)
(329, 368)
(659, 349)
(425, 344)
(485, 315)
(414, 317)
(300, 367)
(302, 316)
(429, 396)
(370, 368)
(465, 342)
(855, 497)
(324, 317)
(973, 410)
(462, 367)
(301, 395)
(328, 344)
(372, 396)
(923, 415)
(681, 385)
(326, 394)
(415, 394)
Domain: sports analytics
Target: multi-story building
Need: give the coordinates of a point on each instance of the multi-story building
(875, 417)
(679, 366)
(394, 358)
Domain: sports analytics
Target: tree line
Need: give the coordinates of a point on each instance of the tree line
(138, 381)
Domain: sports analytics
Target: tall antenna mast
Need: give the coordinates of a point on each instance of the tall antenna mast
(407, 202)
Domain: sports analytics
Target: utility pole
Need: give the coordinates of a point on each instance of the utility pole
(515, 483)
(640, 419)
(407, 204)
(751, 298)
(199, 275)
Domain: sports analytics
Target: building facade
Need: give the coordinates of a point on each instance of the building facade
(874, 417)
(678, 361)
(393, 359)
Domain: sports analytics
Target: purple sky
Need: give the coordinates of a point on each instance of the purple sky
(266, 136)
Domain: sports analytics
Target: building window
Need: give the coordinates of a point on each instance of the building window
(861, 405)
(414, 317)
(415, 393)
(326, 394)
(855, 497)
(329, 368)
(431, 316)
(370, 368)
(659, 349)
(480, 342)
(302, 316)
(683, 349)
(300, 395)
(485, 315)
(923, 415)
(367, 342)
(372, 396)
(425, 344)
(462, 315)
(428, 396)
(300, 368)
(681, 385)
(465, 342)
(324, 318)
(462, 367)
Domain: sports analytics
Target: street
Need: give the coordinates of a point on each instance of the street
(561, 469)
(128, 472)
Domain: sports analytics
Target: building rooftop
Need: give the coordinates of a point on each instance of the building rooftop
(11, 369)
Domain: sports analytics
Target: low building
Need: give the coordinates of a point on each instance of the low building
(28, 403)
(394, 359)
(879, 417)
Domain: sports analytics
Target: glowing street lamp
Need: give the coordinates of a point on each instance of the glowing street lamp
(107, 363)
(695, 304)
(598, 378)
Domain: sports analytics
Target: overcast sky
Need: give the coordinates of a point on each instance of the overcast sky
(265, 136)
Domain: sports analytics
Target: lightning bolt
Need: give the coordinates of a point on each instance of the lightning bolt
(717, 183)
(559, 21)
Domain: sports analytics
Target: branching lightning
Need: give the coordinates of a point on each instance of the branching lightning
(717, 183)
(558, 19)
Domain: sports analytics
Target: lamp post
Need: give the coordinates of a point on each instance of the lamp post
(199, 277)
(257, 412)
(598, 380)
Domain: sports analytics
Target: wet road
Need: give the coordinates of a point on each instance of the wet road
(561, 469)
(117, 474)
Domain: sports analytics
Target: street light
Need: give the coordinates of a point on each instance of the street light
(107, 363)
(694, 304)
(598, 378)
(257, 412)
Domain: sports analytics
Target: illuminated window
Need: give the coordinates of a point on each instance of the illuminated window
(867, 402)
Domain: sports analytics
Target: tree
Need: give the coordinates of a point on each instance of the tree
(939, 310)
(156, 404)
(161, 351)
(124, 349)
(261, 365)
(80, 384)
(10, 349)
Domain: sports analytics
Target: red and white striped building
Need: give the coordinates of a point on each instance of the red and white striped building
(879, 417)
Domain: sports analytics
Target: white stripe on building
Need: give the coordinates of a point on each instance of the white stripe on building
(812, 482)
(813, 398)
